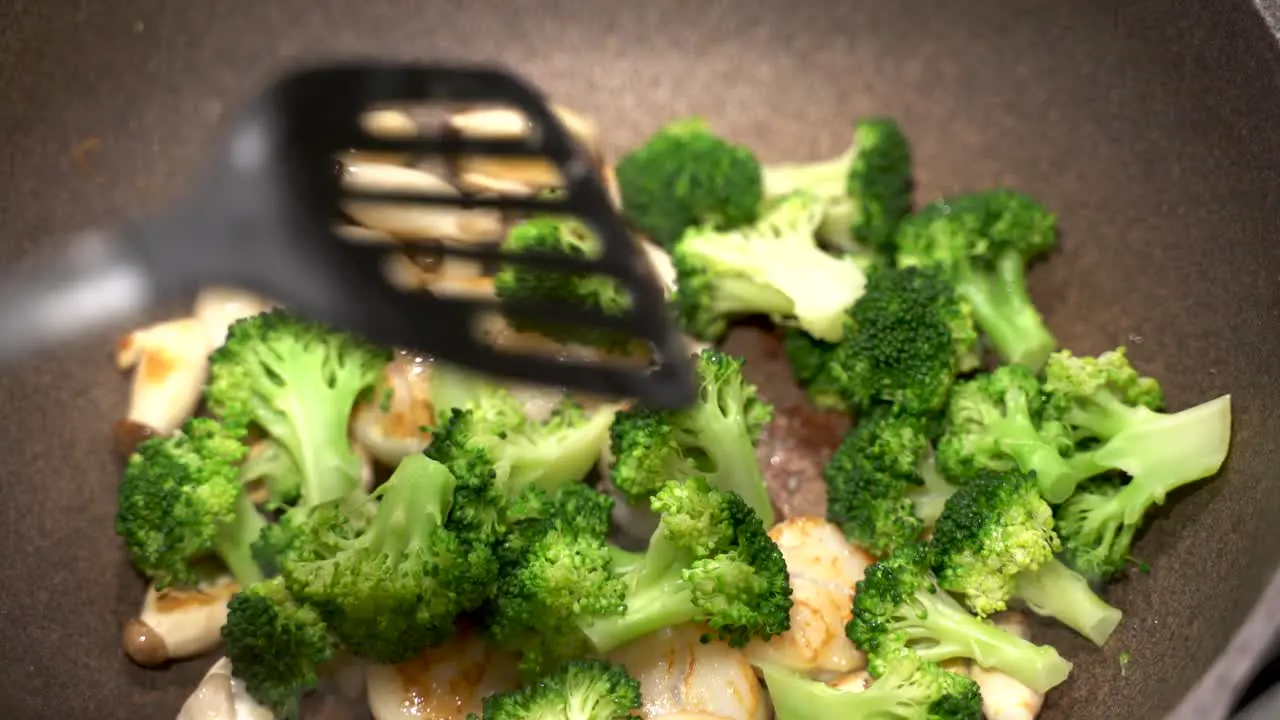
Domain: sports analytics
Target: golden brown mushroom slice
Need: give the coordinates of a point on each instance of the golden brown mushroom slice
(170, 362)
(414, 221)
(514, 176)
(176, 623)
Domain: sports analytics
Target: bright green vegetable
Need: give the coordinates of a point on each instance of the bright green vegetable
(898, 605)
(773, 268)
(982, 242)
(579, 690)
(995, 541)
(181, 501)
(715, 438)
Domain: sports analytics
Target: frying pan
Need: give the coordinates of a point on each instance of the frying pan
(1149, 125)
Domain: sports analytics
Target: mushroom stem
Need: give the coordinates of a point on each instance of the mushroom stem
(220, 696)
(177, 623)
(170, 362)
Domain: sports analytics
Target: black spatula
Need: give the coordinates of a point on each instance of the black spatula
(262, 218)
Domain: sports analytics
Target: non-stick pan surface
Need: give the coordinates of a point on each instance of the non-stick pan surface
(1150, 126)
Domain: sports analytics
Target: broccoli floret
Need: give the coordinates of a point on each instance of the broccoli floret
(181, 500)
(686, 176)
(866, 189)
(556, 573)
(390, 574)
(995, 422)
(297, 380)
(579, 690)
(811, 363)
(882, 488)
(773, 267)
(908, 688)
(271, 465)
(1096, 541)
(477, 415)
(982, 242)
(515, 283)
(1159, 451)
(710, 561)
(276, 646)
(898, 604)
(714, 438)
(908, 338)
(995, 541)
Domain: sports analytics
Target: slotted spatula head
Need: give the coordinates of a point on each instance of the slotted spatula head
(278, 174)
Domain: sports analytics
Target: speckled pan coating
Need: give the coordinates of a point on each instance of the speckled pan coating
(1152, 132)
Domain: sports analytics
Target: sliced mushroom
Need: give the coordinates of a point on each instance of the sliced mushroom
(170, 362)
(680, 673)
(177, 623)
(410, 221)
(825, 569)
(444, 683)
(387, 123)
(220, 696)
(217, 308)
(514, 176)
(1004, 698)
(390, 423)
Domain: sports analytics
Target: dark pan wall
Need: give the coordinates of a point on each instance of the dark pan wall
(1150, 126)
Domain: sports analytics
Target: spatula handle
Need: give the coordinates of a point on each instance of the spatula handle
(98, 281)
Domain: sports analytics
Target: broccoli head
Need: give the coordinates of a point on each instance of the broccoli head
(710, 561)
(810, 360)
(298, 380)
(908, 688)
(270, 466)
(882, 488)
(996, 422)
(181, 500)
(714, 438)
(516, 283)
(772, 267)
(578, 690)
(686, 176)
(908, 338)
(898, 605)
(479, 416)
(995, 541)
(391, 574)
(1102, 400)
(982, 243)
(866, 189)
(276, 645)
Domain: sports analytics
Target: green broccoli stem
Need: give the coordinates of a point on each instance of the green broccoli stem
(1018, 438)
(796, 697)
(624, 562)
(733, 296)
(1104, 415)
(1004, 310)
(944, 631)
(313, 426)
(1056, 591)
(825, 179)
(657, 600)
(734, 458)
(234, 543)
(1169, 451)
(928, 500)
(413, 504)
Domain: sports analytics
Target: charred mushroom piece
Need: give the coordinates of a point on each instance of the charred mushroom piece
(170, 361)
(514, 176)
(407, 221)
(443, 683)
(177, 623)
(220, 696)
